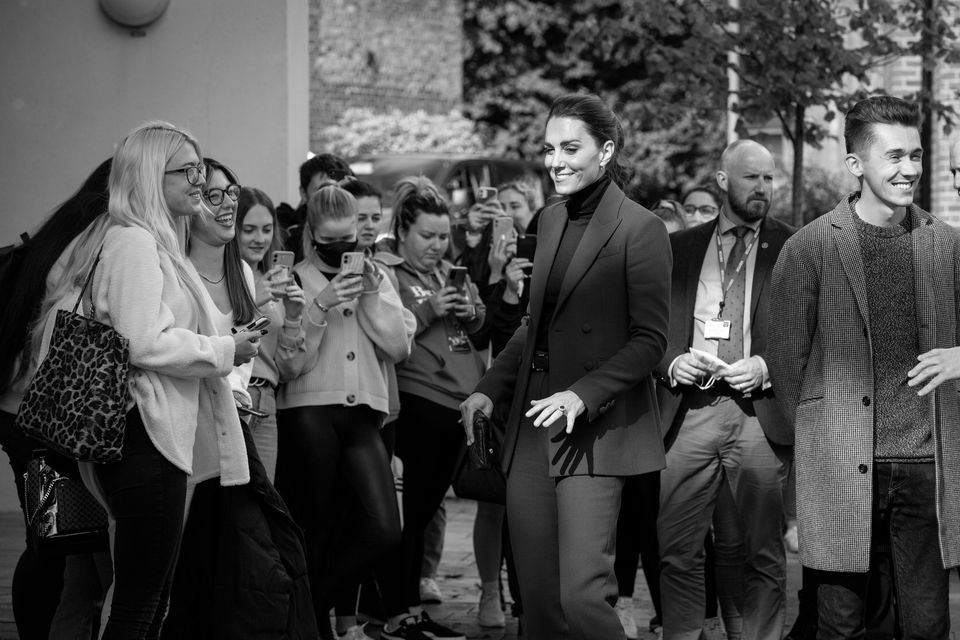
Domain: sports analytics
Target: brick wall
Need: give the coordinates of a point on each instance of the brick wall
(383, 55)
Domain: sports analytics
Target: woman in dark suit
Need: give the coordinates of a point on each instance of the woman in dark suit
(576, 376)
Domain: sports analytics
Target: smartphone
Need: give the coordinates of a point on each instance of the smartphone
(352, 263)
(486, 194)
(457, 278)
(247, 411)
(260, 323)
(502, 226)
(526, 246)
(283, 258)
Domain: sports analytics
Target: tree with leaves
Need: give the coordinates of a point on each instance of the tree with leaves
(663, 67)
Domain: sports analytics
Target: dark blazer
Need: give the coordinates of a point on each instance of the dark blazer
(690, 247)
(607, 333)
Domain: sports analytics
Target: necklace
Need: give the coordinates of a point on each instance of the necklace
(218, 281)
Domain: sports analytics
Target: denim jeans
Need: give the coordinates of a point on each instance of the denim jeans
(905, 532)
(264, 430)
(145, 497)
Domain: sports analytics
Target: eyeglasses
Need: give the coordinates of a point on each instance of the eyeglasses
(704, 209)
(195, 173)
(215, 196)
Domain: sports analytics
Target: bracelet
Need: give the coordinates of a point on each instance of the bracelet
(320, 306)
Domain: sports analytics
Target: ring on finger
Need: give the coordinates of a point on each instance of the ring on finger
(562, 409)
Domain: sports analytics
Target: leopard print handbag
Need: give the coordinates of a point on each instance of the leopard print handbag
(76, 403)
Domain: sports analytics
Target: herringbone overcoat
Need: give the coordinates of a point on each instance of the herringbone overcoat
(820, 360)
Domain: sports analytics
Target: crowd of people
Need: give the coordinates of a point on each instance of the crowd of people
(657, 379)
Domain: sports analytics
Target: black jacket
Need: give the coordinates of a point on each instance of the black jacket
(242, 572)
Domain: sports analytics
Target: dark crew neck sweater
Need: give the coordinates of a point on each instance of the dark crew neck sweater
(580, 209)
(902, 430)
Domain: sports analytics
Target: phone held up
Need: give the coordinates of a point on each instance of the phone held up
(526, 246)
(457, 278)
(486, 194)
(502, 226)
(352, 263)
(260, 323)
(283, 259)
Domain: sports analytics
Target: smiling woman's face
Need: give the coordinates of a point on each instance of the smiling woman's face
(256, 234)
(216, 229)
(572, 156)
(182, 198)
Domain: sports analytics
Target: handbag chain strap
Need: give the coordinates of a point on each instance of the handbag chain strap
(44, 500)
(86, 286)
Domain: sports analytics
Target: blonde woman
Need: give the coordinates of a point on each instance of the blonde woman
(180, 403)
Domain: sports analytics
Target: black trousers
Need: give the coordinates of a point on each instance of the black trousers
(331, 462)
(429, 438)
(145, 495)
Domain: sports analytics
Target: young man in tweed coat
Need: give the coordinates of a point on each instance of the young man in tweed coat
(863, 353)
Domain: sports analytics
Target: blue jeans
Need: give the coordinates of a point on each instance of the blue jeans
(905, 532)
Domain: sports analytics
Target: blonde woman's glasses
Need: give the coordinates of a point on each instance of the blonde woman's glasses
(195, 174)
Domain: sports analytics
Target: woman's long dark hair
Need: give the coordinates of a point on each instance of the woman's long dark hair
(241, 300)
(25, 279)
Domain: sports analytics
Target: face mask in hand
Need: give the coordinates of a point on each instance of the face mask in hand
(332, 252)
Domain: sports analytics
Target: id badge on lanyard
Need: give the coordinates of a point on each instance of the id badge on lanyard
(718, 328)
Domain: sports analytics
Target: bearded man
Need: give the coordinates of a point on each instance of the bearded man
(725, 432)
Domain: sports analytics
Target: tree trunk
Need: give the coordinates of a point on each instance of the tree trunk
(797, 200)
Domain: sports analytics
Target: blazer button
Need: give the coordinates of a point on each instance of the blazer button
(351, 399)
(347, 312)
(350, 355)
(866, 401)
(862, 468)
(590, 365)
(586, 328)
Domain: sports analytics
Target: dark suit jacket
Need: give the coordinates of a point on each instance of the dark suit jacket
(690, 247)
(606, 335)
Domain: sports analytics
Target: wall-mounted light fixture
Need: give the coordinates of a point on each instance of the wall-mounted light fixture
(134, 13)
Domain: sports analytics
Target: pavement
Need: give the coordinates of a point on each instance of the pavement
(457, 578)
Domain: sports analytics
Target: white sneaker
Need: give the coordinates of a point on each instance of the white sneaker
(624, 610)
(430, 591)
(355, 632)
(490, 613)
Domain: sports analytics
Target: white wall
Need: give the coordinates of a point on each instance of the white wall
(72, 83)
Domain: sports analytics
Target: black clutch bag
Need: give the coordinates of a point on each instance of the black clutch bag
(483, 453)
(477, 475)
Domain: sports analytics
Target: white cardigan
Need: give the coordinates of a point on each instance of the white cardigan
(178, 363)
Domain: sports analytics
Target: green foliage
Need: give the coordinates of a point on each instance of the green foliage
(362, 131)
(822, 190)
(521, 54)
(663, 67)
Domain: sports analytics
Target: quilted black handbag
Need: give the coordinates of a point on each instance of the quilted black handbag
(76, 403)
(477, 474)
(62, 516)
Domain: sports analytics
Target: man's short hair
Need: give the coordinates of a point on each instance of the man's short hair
(360, 189)
(334, 166)
(858, 129)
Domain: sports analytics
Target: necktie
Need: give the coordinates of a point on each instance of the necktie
(732, 350)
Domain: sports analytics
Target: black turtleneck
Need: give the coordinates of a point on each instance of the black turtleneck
(580, 208)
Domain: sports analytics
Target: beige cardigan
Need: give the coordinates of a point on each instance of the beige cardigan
(178, 362)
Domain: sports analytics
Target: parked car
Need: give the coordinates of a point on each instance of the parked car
(460, 176)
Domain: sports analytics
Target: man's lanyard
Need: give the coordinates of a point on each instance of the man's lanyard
(723, 267)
